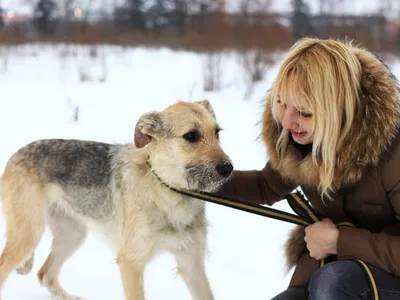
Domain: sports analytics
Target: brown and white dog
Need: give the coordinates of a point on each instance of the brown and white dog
(74, 186)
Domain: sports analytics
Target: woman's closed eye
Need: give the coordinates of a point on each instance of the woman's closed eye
(305, 115)
(299, 111)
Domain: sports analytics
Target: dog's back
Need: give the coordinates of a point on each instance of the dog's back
(67, 162)
(80, 169)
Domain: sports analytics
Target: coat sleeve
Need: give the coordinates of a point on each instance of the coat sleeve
(381, 250)
(264, 186)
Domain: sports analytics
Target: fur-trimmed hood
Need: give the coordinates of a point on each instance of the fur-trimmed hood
(372, 132)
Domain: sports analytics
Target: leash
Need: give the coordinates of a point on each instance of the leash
(237, 204)
(306, 215)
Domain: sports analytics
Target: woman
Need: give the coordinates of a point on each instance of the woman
(330, 125)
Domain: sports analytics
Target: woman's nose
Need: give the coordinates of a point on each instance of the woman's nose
(289, 120)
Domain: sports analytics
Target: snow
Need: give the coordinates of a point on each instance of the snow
(40, 89)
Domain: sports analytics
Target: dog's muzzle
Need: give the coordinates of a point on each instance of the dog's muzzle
(225, 168)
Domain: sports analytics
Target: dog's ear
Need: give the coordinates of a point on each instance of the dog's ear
(148, 127)
(206, 103)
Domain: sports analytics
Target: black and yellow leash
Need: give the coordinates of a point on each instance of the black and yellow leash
(305, 216)
(297, 200)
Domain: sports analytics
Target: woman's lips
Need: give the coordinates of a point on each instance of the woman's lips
(299, 134)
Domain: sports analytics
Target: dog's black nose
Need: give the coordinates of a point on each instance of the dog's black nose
(225, 168)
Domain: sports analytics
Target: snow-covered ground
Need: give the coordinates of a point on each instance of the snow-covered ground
(40, 91)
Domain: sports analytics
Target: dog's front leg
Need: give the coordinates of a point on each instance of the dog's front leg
(192, 269)
(132, 277)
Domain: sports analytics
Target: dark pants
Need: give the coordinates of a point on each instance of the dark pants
(345, 280)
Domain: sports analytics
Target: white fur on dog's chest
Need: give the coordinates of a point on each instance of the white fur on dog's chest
(178, 218)
(173, 228)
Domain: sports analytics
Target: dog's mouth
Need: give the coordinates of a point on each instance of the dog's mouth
(208, 178)
(202, 177)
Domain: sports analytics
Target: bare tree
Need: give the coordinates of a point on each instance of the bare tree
(251, 6)
(386, 7)
(255, 64)
(302, 24)
(87, 12)
(329, 6)
(212, 5)
(212, 72)
(181, 11)
(65, 11)
(44, 13)
(248, 7)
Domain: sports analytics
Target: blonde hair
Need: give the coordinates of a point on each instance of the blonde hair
(321, 77)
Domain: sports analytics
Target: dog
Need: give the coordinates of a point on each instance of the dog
(121, 192)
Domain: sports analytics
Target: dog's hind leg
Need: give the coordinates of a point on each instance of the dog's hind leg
(24, 209)
(192, 270)
(69, 233)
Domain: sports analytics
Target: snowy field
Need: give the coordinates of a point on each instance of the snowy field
(41, 88)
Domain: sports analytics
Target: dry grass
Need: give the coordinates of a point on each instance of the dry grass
(216, 37)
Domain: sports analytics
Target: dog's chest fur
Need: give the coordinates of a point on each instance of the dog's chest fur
(163, 226)
(187, 215)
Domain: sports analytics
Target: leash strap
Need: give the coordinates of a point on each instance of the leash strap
(299, 205)
(306, 215)
(297, 200)
(245, 206)
(370, 278)
(238, 204)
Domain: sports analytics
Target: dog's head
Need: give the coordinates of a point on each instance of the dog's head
(184, 147)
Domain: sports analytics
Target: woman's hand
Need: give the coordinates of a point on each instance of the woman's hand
(321, 239)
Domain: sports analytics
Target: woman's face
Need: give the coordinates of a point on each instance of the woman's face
(298, 121)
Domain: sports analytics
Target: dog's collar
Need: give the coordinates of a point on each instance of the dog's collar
(160, 179)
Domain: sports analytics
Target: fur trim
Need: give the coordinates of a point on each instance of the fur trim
(370, 136)
(295, 246)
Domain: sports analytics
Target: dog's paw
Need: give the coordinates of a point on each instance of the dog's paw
(26, 267)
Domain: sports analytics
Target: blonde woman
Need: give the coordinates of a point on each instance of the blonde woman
(331, 126)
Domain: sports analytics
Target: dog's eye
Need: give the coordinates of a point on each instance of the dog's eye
(217, 131)
(192, 136)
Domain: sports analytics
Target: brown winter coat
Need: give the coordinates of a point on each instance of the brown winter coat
(367, 179)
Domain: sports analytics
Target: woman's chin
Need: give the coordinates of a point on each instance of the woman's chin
(302, 140)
